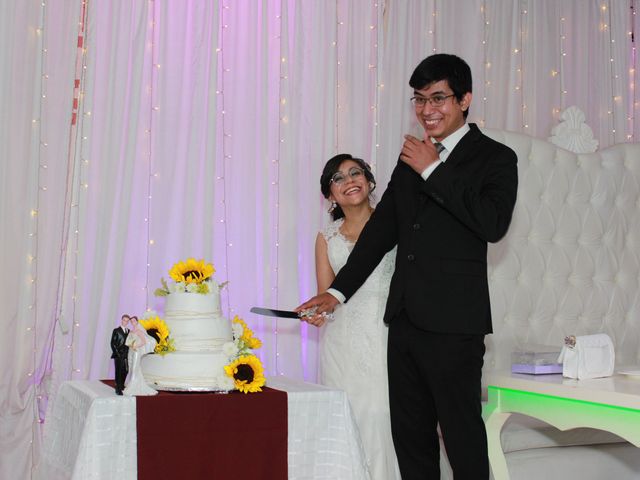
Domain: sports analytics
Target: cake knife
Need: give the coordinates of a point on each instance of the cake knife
(271, 312)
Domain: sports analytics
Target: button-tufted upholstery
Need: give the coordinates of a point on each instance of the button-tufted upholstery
(570, 262)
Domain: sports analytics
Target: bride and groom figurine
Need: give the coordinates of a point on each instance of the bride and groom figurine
(129, 343)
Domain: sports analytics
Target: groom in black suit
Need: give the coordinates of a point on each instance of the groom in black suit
(120, 352)
(450, 193)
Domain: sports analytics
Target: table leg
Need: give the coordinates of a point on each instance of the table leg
(494, 423)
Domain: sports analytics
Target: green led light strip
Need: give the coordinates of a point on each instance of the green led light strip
(517, 393)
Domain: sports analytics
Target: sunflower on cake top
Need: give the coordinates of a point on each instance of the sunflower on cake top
(193, 276)
(205, 344)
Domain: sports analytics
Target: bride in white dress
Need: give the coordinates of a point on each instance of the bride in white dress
(353, 344)
(140, 343)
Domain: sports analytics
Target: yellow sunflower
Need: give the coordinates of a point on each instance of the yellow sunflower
(191, 271)
(158, 329)
(247, 334)
(247, 373)
(253, 343)
(240, 321)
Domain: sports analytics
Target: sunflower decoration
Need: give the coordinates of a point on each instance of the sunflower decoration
(244, 335)
(247, 373)
(158, 329)
(193, 276)
(192, 271)
(244, 368)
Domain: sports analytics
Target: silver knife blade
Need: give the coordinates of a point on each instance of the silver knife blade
(270, 312)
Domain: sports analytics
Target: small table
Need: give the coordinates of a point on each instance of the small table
(91, 433)
(611, 404)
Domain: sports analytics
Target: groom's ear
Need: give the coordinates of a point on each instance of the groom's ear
(465, 102)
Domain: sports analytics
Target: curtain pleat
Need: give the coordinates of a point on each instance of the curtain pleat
(134, 135)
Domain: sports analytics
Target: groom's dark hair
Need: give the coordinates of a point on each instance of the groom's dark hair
(443, 66)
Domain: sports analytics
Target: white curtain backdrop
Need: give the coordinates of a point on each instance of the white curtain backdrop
(137, 134)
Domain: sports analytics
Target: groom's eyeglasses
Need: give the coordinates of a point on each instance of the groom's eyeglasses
(339, 178)
(435, 101)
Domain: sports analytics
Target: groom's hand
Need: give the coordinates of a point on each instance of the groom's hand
(418, 154)
(323, 304)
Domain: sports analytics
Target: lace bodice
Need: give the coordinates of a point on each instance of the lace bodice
(360, 319)
(339, 248)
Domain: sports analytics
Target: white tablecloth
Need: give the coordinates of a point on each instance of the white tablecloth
(91, 434)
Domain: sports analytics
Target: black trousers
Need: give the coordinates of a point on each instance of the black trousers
(435, 378)
(122, 368)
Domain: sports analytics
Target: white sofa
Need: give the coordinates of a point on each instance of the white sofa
(570, 264)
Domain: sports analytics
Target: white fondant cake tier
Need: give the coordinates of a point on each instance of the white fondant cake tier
(199, 331)
(196, 323)
(178, 304)
(186, 370)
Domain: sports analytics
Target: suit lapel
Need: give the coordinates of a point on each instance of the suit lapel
(465, 146)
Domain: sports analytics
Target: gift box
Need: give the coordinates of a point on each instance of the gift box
(536, 360)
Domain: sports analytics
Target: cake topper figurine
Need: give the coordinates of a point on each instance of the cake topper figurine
(120, 352)
(140, 343)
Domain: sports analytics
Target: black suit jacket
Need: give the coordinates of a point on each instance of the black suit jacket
(441, 226)
(118, 348)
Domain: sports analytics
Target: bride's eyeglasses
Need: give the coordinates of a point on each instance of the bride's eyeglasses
(339, 178)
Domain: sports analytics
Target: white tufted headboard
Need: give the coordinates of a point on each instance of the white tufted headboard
(570, 262)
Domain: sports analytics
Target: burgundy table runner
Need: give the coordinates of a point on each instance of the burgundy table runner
(212, 436)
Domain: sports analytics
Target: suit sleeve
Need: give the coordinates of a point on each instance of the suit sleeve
(486, 207)
(114, 341)
(378, 237)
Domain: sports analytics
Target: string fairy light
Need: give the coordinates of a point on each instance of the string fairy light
(32, 242)
(519, 51)
(555, 72)
(153, 109)
(563, 54)
(72, 191)
(225, 156)
(76, 173)
(613, 98)
(376, 38)
(283, 115)
(434, 15)
(487, 64)
(430, 33)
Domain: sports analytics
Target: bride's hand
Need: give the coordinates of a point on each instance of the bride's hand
(316, 320)
(321, 306)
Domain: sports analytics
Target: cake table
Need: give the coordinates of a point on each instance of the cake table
(91, 433)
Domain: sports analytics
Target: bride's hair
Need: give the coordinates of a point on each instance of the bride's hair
(331, 167)
(139, 330)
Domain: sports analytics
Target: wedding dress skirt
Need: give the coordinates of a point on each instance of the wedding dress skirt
(136, 385)
(353, 355)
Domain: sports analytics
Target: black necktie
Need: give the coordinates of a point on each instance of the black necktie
(439, 147)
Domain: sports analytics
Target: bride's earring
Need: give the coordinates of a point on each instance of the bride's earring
(333, 206)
